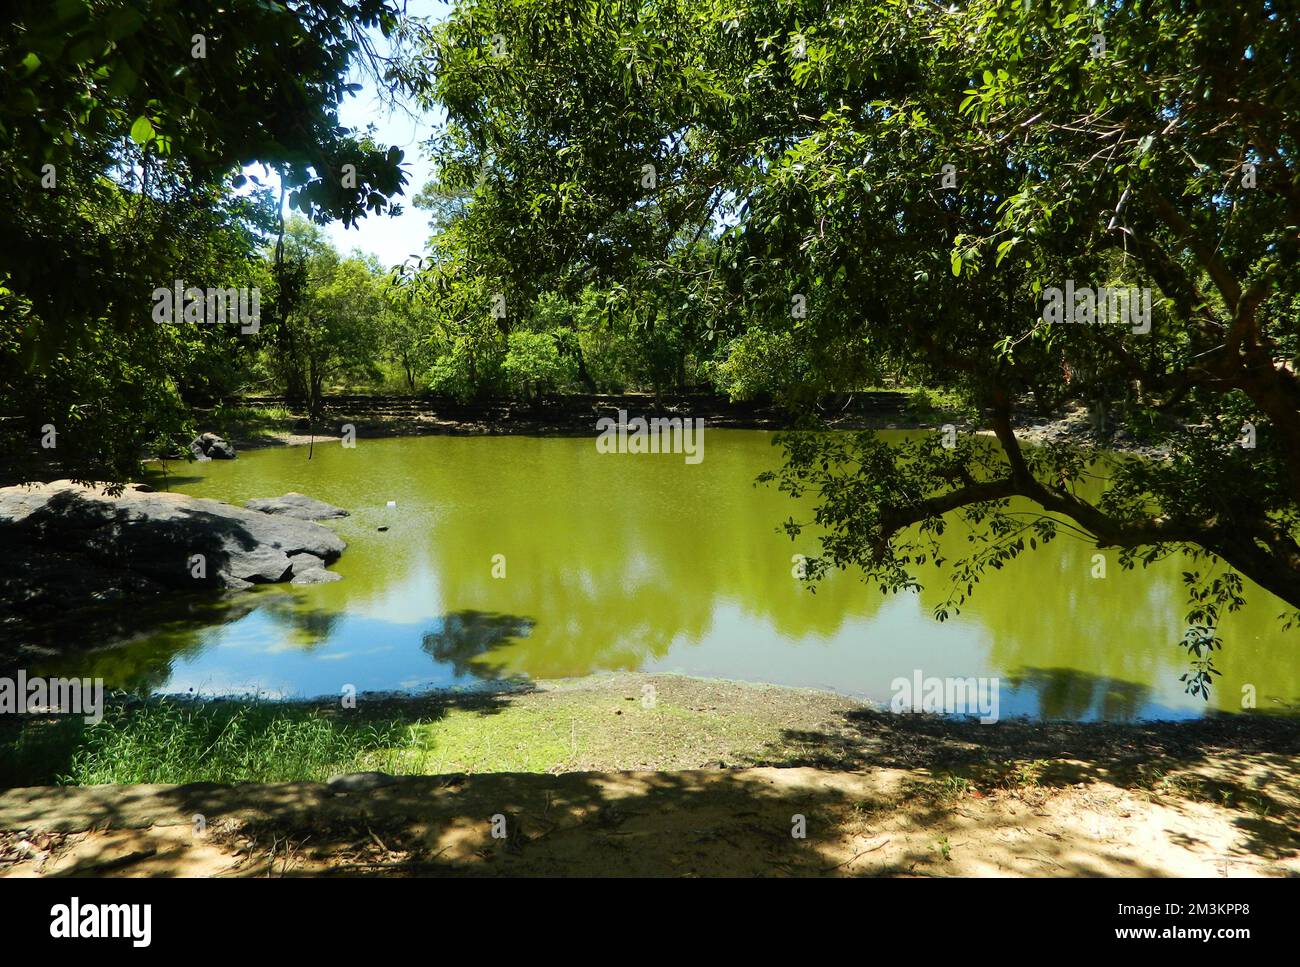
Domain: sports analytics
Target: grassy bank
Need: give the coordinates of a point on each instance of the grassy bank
(601, 723)
(179, 741)
(596, 778)
(576, 726)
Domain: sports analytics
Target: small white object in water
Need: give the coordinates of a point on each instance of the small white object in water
(392, 503)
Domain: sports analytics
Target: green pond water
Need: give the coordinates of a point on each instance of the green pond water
(643, 562)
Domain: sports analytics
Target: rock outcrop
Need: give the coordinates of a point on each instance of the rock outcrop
(69, 545)
(296, 505)
(209, 446)
(310, 569)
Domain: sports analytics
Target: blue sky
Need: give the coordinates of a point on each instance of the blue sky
(393, 240)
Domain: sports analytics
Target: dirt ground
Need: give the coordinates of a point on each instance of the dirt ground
(696, 823)
(848, 791)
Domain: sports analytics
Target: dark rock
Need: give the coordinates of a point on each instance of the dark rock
(209, 446)
(68, 544)
(296, 505)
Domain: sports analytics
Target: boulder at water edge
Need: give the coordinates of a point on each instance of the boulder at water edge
(209, 446)
(296, 505)
(72, 544)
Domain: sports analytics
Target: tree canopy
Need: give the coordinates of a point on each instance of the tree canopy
(855, 186)
(125, 128)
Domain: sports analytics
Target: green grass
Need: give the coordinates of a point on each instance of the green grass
(221, 742)
(253, 414)
(572, 734)
(514, 740)
(936, 404)
(179, 742)
(248, 422)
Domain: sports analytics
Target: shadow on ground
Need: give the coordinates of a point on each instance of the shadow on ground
(1246, 764)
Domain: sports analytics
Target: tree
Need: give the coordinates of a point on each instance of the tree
(405, 332)
(335, 320)
(124, 125)
(533, 364)
(896, 187)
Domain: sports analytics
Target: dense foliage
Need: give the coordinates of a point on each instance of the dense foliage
(840, 188)
(125, 126)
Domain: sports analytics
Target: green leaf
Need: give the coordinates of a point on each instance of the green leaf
(123, 80)
(142, 131)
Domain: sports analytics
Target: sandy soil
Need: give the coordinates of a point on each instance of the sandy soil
(736, 823)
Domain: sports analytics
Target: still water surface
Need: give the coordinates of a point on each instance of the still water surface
(642, 562)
